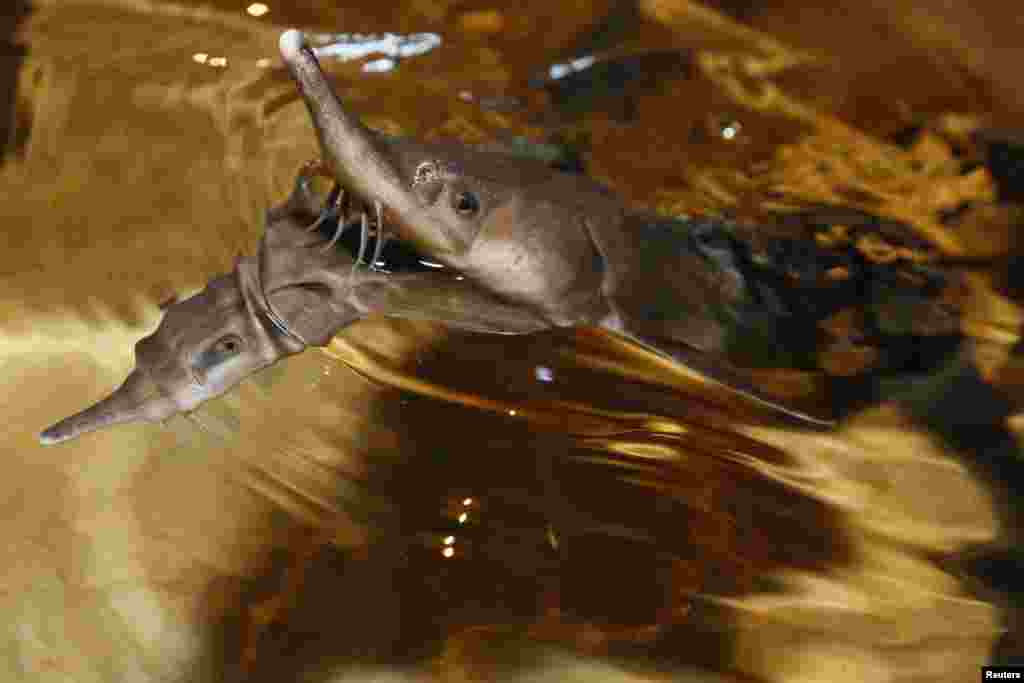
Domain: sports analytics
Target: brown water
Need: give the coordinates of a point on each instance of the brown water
(424, 505)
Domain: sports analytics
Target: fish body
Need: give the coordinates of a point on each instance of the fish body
(524, 248)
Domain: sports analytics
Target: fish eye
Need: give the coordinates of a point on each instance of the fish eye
(225, 348)
(221, 350)
(465, 203)
(227, 345)
(426, 172)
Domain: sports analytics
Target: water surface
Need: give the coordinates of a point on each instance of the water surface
(423, 502)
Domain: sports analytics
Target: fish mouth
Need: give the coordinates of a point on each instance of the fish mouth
(358, 228)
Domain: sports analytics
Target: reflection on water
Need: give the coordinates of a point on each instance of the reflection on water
(456, 507)
(346, 47)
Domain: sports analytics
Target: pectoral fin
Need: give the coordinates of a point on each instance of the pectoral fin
(444, 297)
(811, 406)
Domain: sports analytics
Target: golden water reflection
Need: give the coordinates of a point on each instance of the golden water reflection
(424, 502)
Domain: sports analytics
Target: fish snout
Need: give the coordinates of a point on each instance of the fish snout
(139, 398)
